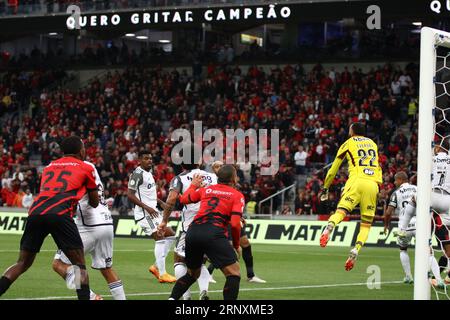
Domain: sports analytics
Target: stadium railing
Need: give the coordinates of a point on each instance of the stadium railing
(282, 194)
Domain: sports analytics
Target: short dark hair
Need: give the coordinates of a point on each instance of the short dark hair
(359, 128)
(71, 145)
(226, 173)
(401, 175)
(143, 153)
(193, 160)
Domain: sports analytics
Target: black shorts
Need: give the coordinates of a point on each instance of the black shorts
(62, 228)
(230, 236)
(441, 231)
(442, 234)
(208, 239)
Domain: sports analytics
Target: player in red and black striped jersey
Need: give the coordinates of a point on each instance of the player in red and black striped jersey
(220, 205)
(64, 182)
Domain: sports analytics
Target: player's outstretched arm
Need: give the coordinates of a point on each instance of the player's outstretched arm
(333, 170)
(236, 216)
(191, 195)
(162, 204)
(167, 209)
(169, 204)
(387, 218)
(236, 229)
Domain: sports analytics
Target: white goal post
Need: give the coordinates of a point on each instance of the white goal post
(430, 39)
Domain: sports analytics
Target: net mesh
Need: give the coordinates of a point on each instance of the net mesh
(440, 220)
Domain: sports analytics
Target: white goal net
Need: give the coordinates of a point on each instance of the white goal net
(432, 235)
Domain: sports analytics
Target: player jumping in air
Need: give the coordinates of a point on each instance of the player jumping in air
(142, 192)
(220, 205)
(397, 203)
(178, 186)
(64, 182)
(361, 188)
(97, 232)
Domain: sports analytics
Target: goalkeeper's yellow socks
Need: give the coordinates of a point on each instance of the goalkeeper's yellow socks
(362, 235)
(336, 218)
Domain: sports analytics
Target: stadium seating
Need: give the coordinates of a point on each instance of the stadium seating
(125, 112)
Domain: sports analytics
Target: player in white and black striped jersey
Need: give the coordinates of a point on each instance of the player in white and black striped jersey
(398, 200)
(142, 193)
(96, 229)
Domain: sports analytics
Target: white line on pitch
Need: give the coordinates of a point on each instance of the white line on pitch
(241, 290)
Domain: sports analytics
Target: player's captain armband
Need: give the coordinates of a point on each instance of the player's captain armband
(176, 184)
(135, 181)
(393, 200)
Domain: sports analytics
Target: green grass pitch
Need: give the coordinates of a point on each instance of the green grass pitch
(292, 272)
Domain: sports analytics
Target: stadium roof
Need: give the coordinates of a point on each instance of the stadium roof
(300, 11)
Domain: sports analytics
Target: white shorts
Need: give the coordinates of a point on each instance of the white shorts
(180, 246)
(440, 201)
(150, 225)
(404, 242)
(98, 242)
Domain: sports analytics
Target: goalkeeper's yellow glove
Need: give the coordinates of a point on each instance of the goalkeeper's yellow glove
(324, 195)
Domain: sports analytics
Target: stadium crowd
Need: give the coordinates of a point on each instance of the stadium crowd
(139, 108)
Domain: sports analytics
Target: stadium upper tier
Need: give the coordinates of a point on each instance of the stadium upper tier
(43, 7)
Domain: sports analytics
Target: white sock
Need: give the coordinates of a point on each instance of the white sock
(70, 278)
(203, 280)
(169, 241)
(160, 256)
(92, 295)
(404, 258)
(435, 268)
(180, 271)
(117, 291)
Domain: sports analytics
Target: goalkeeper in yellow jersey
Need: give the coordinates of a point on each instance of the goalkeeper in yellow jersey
(361, 188)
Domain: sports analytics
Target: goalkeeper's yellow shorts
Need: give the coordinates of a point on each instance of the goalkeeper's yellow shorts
(360, 191)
